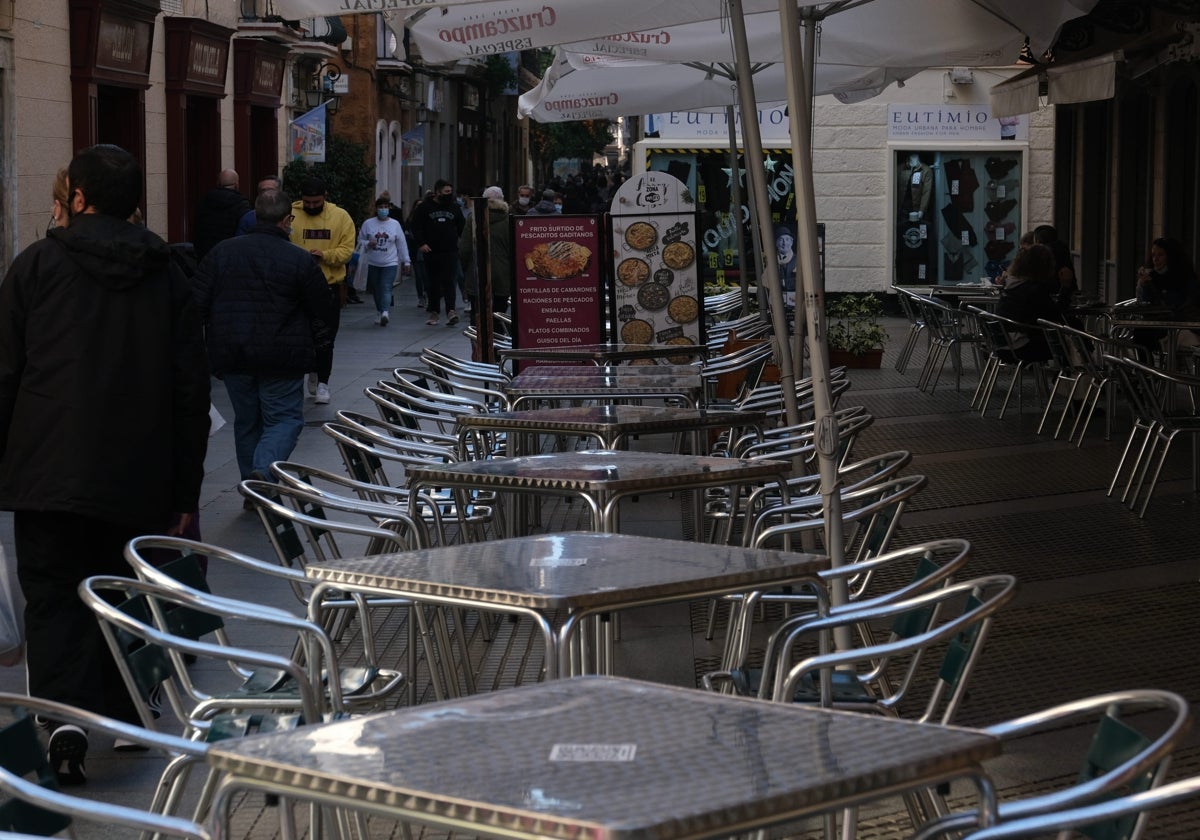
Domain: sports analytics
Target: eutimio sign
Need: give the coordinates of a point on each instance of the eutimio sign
(952, 122)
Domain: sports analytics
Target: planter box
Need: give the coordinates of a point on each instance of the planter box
(843, 358)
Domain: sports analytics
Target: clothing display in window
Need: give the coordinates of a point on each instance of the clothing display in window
(953, 224)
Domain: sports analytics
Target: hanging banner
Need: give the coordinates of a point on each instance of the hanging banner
(412, 147)
(308, 136)
(559, 293)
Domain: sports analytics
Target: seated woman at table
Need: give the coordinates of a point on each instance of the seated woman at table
(1169, 280)
(1029, 295)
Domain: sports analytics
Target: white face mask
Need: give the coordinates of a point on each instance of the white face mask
(523, 200)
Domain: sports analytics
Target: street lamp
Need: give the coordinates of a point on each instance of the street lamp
(322, 89)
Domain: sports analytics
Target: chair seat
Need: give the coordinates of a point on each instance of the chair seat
(229, 726)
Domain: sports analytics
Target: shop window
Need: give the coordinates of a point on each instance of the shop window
(957, 214)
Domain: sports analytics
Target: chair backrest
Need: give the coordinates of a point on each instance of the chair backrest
(1137, 806)
(31, 802)
(872, 513)
(1146, 388)
(960, 615)
(150, 629)
(1134, 734)
(301, 530)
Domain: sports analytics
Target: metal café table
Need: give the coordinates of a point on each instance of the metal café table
(601, 758)
(609, 425)
(602, 354)
(559, 580)
(606, 384)
(601, 477)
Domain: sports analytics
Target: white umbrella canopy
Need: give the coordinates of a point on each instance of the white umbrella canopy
(870, 33)
(586, 87)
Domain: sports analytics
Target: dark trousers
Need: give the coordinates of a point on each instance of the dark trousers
(325, 357)
(68, 659)
(440, 284)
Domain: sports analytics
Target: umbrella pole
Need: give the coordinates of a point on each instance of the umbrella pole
(752, 142)
(826, 438)
(735, 209)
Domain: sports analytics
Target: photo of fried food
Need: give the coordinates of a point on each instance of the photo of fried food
(683, 309)
(558, 260)
(683, 358)
(653, 296)
(637, 331)
(633, 272)
(678, 255)
(641, 236)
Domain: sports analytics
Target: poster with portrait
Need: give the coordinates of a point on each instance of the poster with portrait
(558, 293)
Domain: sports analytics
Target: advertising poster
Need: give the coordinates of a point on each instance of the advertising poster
(308, 135)
(656, 286)
(558, 293)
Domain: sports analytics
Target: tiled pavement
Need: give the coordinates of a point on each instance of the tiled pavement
(1107, 600)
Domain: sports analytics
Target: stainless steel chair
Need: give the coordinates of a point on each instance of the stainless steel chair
(178, 563)
(1085, 816)
(1134, 734)
(33, 805)
(1151, 392)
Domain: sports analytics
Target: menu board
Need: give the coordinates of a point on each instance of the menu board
(558, 292)
(656, 287)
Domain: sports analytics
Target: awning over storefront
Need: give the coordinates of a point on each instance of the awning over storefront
(1094, 77)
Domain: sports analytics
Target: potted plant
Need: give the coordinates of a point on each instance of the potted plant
(856, 338)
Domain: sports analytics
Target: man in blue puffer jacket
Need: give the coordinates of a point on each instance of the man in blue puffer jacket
(265, 306)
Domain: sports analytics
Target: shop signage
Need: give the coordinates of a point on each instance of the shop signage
(123, 44)
(953, 123)
(773, 124)
(559, 292)
(657, 295)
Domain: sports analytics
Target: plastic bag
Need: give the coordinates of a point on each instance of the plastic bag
(360, 273)
(12, 614)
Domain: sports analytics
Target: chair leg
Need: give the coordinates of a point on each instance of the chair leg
(1141, 465)
(1162, 457)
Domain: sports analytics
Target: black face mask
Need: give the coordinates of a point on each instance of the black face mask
(315, 211)
(445, 199)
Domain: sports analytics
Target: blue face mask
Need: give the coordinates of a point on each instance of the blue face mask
(381, 212)
(557, 208)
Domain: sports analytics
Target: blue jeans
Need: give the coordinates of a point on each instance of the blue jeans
(379, 283)
(268, 416)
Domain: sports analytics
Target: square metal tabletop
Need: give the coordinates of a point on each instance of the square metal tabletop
(573, 571)
(605, 758)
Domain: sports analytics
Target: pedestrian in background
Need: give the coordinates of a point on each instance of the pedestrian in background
(437, 227)
(385, 249)
(326, 232)
(267, 310)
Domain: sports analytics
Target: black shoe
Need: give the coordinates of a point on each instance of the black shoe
(354, 299)
(67, 750)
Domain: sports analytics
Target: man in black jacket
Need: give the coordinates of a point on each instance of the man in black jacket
(104, 398)
(436, 227)
(219, 213)
(266, 308)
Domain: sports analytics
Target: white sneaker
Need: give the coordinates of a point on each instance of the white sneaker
(322, 397)
(312, 384)
(383, 318)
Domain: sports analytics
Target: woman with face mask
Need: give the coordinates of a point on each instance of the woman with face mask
(385, 249)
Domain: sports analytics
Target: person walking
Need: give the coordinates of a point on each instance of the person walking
(524, 201)
(437, 227)
(219, 213)
(326, 231)
(104, 398)
(499, 255)
(548, 206)
(385, 248)
(266, 308)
